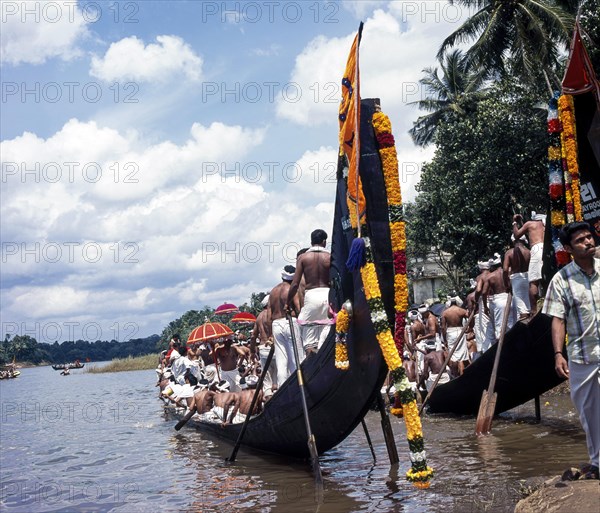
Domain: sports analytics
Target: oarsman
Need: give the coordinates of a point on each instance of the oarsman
(433, 365)
(228, 357)
(417, 329)
(204, 398)
(261, 341)
(484, 331)
(206, 355)
(247, 395)
(432, 327)
(496, 295)
(282, 336)
(534, 230)
(313, 266)
(573, 300)
(453, 319)
(223, 403)
(516, 265)
(302, 285)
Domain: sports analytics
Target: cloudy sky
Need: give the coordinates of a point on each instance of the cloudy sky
(163, 156)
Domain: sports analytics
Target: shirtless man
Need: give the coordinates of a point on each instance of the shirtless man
(228, 356)
(534, 230)
(313, 266)
(282, 336)
(516, 264)
(223, 402)
(452, 323)
(204, 398)
(434, 365)
(261, 341)
(432, 326)
(484, 333)
(417, 329)
(247, 395)
(495, 296)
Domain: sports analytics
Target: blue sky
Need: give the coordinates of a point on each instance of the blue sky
(158, 157)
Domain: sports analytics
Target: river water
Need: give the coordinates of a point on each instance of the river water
(103, 443)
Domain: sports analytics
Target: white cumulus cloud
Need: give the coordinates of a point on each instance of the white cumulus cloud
(130, 59)
(34, 31)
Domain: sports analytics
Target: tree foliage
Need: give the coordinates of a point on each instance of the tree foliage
(455, 90)
(488, 165)
(523, 37)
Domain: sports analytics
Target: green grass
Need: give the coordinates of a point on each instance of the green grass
(149, 361)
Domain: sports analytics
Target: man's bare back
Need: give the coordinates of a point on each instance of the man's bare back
(227, 401)
(204, 401)
(314, 266)
(246, 397)
(533, 229)
(453, 316)
(495, 282)
(228, 355)
(517, 259)
(278, 300)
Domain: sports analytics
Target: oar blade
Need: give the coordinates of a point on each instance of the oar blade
(316, 467)
(481, 414)
(185, 419)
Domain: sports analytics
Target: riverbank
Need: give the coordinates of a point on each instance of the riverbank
(556, 496)
(145, 362)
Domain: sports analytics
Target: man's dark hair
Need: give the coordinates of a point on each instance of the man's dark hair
(301, 252)
(191, 378)
(318, 237)
(176, 337)
(289, 269)
(568, 230)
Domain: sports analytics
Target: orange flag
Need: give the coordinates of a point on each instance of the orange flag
(349, 117)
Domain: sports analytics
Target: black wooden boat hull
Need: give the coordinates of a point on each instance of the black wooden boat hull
(337, 400)
(526, 370)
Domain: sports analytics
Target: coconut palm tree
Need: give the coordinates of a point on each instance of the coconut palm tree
(523, 36)
(456, 91)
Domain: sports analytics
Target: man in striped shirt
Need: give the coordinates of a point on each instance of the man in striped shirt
(573, 300)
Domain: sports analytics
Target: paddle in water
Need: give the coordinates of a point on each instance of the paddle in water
(312, 445)
(487, 407)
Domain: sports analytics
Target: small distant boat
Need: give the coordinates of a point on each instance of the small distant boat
(9, 373)
(68, 366)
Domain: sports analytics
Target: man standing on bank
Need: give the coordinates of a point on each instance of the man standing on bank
(573, 301)
(314, 265)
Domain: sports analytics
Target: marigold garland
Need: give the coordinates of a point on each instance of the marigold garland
(563, 170)
(342, 323)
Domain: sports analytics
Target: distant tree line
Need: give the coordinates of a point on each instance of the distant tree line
(23, 348)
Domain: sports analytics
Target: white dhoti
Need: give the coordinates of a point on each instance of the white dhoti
(520, 287)
(218, 411)
(270, 379)
(315, 309)
(497, 304)
(233, 378)
(484, 331)
(535, 262)
(284, 350)
(461, 353)
(585, 394)
(210, 372)
(420, 356)
(444, 378)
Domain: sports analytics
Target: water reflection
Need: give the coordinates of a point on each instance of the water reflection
(102, 455)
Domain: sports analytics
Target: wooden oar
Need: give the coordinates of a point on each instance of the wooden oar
(312, 445)
(487, 406)
(259, 385)
(450, 353)
(364, 425)
(185, 419)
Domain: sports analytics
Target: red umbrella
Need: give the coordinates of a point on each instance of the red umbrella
(226, 308)
(244, 318)
(209, 331)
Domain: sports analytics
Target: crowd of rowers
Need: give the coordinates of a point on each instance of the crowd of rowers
(429, 339)
(218, 379)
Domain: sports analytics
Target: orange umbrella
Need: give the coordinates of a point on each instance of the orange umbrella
(209, 331)
(226, 308)
(244, 318)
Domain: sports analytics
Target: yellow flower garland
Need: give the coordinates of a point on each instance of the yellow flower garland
(342, 323)
(569, 153)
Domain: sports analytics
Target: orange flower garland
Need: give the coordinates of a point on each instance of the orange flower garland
(342, 323)
(568, 139)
